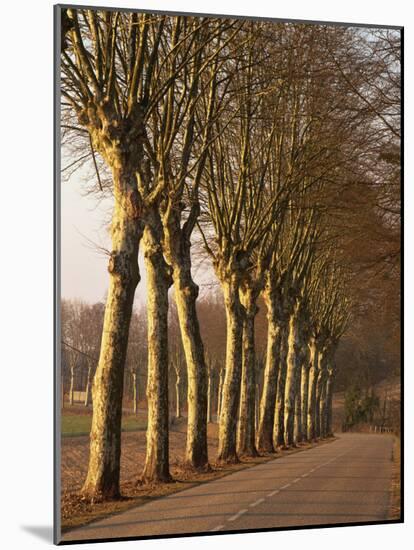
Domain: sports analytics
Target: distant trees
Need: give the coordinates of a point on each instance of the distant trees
(247, 140)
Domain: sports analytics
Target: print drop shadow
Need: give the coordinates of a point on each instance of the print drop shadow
(43, 532)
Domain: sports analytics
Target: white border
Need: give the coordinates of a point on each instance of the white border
(26, 269)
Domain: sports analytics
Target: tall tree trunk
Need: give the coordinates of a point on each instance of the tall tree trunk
(304, 390)
(322, 410)
(246, 425)
(231, 384)
(329, 399)
(177, 395)
(256, 408)
(278, 428)
(177, 245)
(135, 392)
(209, 398)
(72, 385)
(297, 424)
(220, 392)
(293, 365)
(88, 385)
(323, 403)
(156, 467)
(319, 389)
(268, 401)
(102, 480)
(313, 377)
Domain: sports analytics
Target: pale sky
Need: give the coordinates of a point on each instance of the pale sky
(84, 221)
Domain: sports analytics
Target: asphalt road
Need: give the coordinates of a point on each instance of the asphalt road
(346, 481)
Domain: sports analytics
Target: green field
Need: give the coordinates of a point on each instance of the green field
(74, 425)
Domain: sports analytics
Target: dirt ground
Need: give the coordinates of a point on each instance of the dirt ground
(75, 452)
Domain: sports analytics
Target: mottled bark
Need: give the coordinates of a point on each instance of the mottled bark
(231, 384)
(293, 365)
(319, 393)
(156, 467)
(313, 377)
(268, 401)
(246, 425)
(329, 399)
(297, 424)
(304, 390)
(278, 428)
(177, 247)
(102, 480)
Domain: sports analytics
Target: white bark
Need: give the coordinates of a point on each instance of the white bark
(72, 384)
(177, 395)
(88, 385)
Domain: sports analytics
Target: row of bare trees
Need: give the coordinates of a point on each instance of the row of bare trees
(234, 138)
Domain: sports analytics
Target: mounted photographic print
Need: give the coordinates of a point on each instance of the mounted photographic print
(228, 232)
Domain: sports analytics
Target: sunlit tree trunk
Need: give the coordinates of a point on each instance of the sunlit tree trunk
(293, 365)
(278, 428)
(220, 392)
(313, 378)
(231, 384)
(156, 467)
(209, 397)
(135, 392)
(88, 385)
(268, 401)
(246, 425)
(304, 391)
(329, 401)
(297, 425)
(177, 394)
(319, 391)
(102, 480)
(177, 246)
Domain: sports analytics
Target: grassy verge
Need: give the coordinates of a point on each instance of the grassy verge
(80, 424)
(77, 512)
(395, 499)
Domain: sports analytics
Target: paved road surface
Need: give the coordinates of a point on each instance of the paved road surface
(345, 481)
